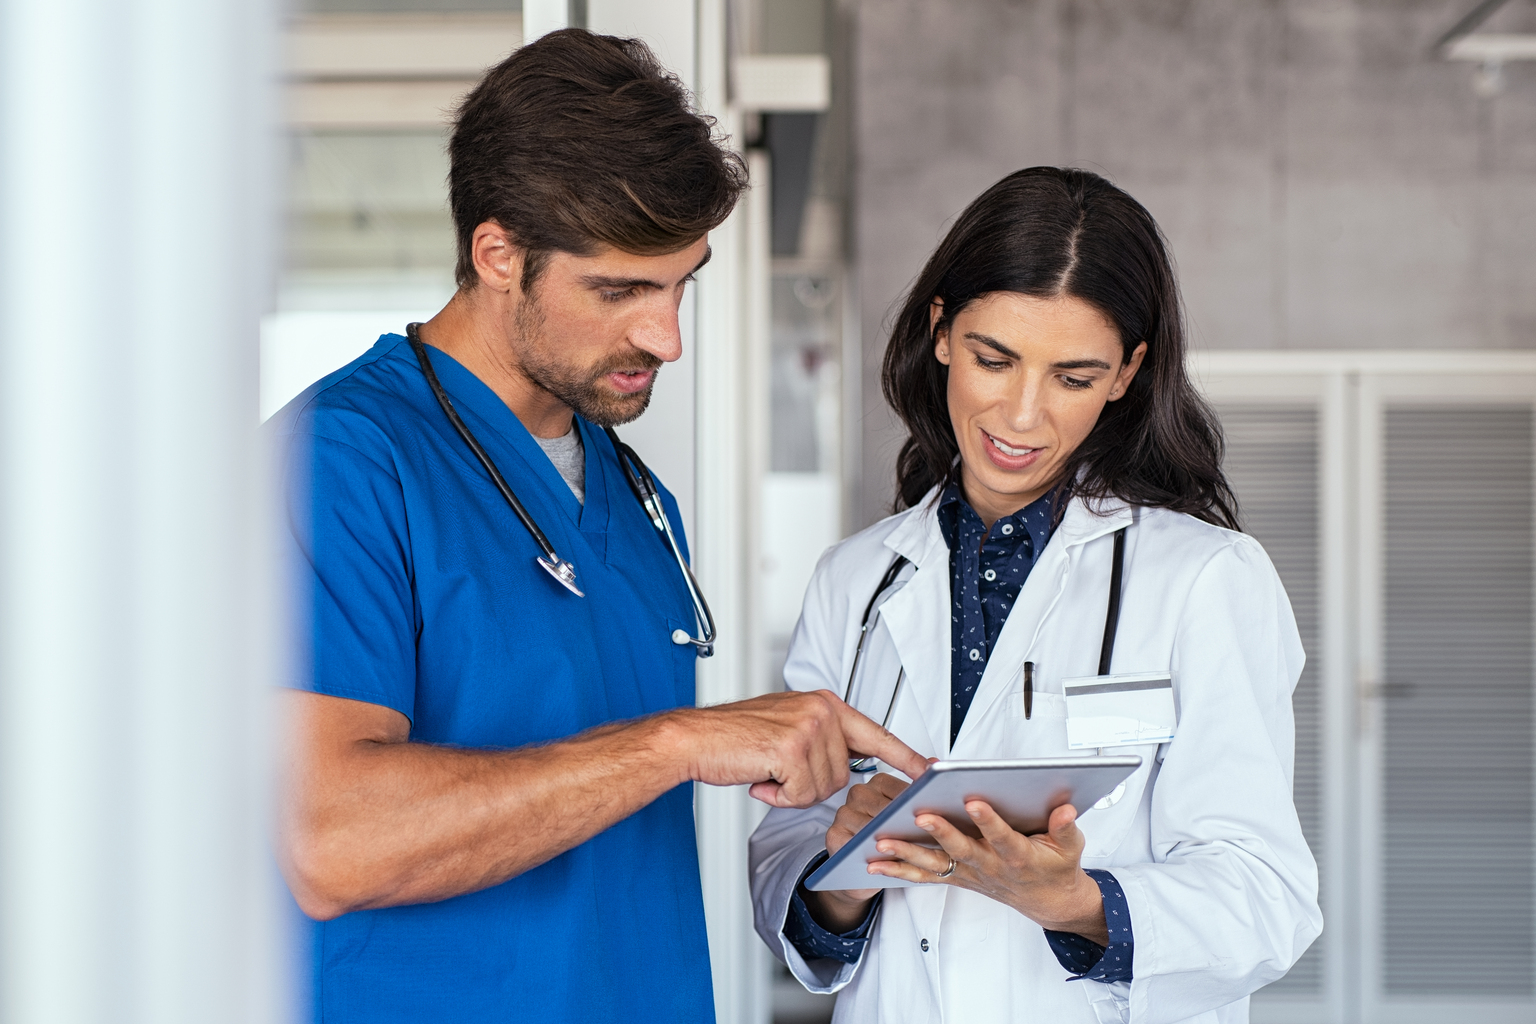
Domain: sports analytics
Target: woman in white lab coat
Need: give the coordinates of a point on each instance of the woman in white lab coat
(1038, 364)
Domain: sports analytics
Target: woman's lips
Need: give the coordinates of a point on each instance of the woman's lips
(631, 383)
(1003, 455)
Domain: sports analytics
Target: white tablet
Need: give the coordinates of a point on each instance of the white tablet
(1023, 792)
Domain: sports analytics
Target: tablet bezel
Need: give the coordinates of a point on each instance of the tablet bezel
(943, 789)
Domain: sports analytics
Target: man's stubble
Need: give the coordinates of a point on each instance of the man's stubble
(580, 388)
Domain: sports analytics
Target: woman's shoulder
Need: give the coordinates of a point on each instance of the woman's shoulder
(869, 553)
(873, 539)
(1197, 543)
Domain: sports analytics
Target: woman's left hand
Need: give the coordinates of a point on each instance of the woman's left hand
(1039, 876)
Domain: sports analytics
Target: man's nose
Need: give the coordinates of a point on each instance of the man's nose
(658, 332)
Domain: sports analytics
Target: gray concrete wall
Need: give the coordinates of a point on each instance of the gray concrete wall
(1324, 181)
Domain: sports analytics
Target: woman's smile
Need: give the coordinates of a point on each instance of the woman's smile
(1010, 458)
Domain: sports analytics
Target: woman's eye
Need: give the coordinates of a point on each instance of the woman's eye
(1077, 383)
(991, 364)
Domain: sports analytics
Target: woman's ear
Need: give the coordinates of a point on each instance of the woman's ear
(940, 338)
(1128, 372)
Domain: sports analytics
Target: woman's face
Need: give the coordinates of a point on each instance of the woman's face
(1028, 378)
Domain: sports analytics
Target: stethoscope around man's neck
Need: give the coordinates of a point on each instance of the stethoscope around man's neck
(641, 484)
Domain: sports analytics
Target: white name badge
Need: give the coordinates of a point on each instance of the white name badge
(1119, 710)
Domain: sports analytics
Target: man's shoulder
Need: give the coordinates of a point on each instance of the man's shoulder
(358, 405)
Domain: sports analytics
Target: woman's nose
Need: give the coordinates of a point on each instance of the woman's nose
(1024, 411)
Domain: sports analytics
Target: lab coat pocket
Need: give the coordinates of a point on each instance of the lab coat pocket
(1043, 733)
(1105, 824)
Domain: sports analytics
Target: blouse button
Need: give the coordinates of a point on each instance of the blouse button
(924, 945)
(1007, 529)
(989, 575)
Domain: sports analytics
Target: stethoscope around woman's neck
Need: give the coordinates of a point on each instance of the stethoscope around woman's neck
(641, 484)
(871, 618)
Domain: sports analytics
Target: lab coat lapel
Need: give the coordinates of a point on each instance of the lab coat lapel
(1026, 621)
(917, 619)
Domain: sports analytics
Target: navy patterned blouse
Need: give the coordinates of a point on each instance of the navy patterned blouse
(987, 570)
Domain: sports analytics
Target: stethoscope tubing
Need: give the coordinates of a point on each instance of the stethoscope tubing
(641, 484)
(864, 765)
(551, 562)
(870, 618)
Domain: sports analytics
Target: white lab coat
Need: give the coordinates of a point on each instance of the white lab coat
(1205, 841)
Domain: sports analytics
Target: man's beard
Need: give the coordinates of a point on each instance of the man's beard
(582, 389)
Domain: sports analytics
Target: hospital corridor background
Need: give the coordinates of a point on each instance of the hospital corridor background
(208, 206)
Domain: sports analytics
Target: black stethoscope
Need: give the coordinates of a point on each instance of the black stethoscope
(641, 484)
(871, 618)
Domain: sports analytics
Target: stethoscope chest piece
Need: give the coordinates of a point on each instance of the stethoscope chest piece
(563, 572)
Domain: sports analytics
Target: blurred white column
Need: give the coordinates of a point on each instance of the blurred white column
(136, 165)
(728, 389)
(541, 17)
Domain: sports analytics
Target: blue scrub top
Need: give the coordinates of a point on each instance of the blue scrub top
(418, 591)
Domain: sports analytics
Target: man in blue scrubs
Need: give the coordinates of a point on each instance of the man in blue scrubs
(488, 815)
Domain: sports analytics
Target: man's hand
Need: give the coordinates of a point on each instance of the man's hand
(792, 748)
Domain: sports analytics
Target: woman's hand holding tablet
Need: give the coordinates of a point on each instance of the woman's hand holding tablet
(838, 910)
(1005, 829)
(1040, 876)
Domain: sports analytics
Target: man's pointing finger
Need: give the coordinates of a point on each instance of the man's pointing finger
(863, 736)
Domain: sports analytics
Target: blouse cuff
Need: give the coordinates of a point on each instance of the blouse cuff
(814, 942)
(1086, 959)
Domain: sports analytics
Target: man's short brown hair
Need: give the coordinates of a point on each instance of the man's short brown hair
(578, 141)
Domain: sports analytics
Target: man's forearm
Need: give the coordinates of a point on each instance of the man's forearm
(372, 820)
(395, 823)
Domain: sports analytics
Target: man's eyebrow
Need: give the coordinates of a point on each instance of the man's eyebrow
(624, 283)
(618, 283)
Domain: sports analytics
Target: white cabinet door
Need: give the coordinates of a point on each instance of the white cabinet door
(1394, 492)
(1448, 862)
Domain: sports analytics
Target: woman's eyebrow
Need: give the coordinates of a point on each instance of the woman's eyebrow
(992, 343)
(1066, 364)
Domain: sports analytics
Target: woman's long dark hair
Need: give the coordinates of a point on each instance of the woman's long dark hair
(1047, 232)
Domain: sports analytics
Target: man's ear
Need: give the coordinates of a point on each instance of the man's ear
(497, 257)
(940, 340)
